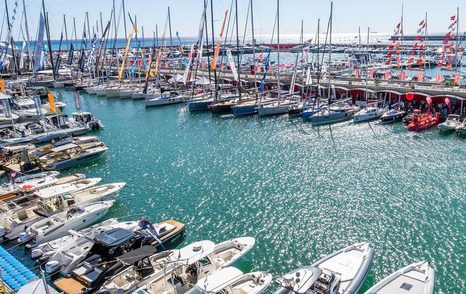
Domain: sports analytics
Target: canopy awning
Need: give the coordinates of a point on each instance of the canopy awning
(137, 254)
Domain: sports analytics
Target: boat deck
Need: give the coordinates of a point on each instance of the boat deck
(13, 273)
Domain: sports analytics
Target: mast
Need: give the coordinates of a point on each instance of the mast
(102, 23)
(157, 35)
(124, 17)
(88, 28)
(425, 44)
(253, 48)
(457, 37)
(238, 84)
(278, 50)
(207, 42)
(213, 42)
(330, 53)
(114, 20)
(47, 29)
(402, 36)
(27, 32)
(170, 28)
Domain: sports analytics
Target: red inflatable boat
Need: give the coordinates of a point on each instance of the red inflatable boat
(423, 121)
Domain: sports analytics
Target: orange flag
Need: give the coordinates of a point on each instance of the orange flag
(51, 102)
(2, 86)
(213, 65)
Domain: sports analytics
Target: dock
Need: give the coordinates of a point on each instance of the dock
(12, 272)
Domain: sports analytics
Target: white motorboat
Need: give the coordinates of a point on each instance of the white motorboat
(461, 128)
(342, 272)
(414, 278)
(450, 124)
(165, 98)
(226, 253)
(26, 110)
(393, 114)
(30, 182)
(57, 225)
(65, 253)
(223, 255)
(87, 119)
(57, 190)
(185, 258)
(70, 155)
(368, 113)
(14, 222)
(231, 280)
(47, 249)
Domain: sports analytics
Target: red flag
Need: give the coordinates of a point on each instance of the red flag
(438, 77)
(421, 23)
(371, 74)
(453, 18)
(387, 75)
(403, 75)
(420, 76)
(356, 73)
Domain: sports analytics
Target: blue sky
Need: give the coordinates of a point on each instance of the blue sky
(381, 16)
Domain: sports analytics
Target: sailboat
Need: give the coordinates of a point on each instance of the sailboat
(340, 110)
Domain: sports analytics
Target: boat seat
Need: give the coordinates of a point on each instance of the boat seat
(91, 261)
(92, 275)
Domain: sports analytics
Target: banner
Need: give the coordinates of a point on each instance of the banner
(213, 65)
(231, 62)
(128, 44)
(6, 107)
(51, 102)
(39, 45)
(37, 105)
(77, 101)
(70, 55)
(308, 76)
(2, 86)
(266, 67)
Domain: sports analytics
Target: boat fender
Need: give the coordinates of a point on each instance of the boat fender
(36, 253)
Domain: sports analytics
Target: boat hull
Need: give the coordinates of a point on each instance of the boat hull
(199, 105)
(74, 161)
(244, 110)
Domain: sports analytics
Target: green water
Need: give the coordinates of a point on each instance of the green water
(302, 192)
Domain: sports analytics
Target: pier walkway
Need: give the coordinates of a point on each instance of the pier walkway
(13, 273)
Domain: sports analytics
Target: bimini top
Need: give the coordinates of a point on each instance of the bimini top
(64, 147)
(114, 237)
(136, 255)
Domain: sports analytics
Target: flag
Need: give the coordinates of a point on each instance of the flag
(231, 62)
(403, 75)
(453, 18)
(438, 77)
(217, 46)
(457, 79)
(356, 73)
(308, 76)
(39, 45)
(420, 76)
(2, 86)
(387, 75)
(70, 55)
(51, 102)
(37, 105)
(266, 67)
(371, 73)
(77, 101)
(6, 107)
